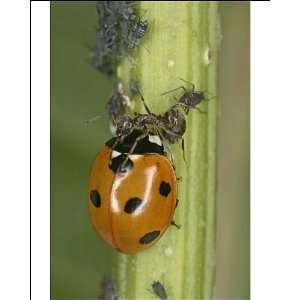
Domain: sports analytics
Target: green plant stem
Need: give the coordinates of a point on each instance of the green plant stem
(182, 42)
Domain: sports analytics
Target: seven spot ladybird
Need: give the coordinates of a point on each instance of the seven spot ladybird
(131, 205)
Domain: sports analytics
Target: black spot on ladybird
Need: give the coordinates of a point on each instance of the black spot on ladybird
(95, 198)
(149, 237)
(164, 188)
(132, 204)
(116, 164)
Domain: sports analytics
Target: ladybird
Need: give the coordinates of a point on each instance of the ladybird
(131, 205)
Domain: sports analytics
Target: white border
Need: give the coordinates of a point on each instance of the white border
(275, 150)
(40, 63)
(14, 151)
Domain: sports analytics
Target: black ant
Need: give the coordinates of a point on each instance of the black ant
(190, 98)
(170, 126)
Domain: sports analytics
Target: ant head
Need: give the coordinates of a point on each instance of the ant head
(124, 126)
(174, 125)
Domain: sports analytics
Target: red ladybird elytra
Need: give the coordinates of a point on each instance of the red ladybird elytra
(132, 205)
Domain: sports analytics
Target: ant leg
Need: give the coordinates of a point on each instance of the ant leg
(189, 82)
(171, 91)
(208, 93)
(143, 135)
(117, 141)
(183, 152)
(166, 146)
(144, 103)
(174, 224)
(200, 111)
(187, 107)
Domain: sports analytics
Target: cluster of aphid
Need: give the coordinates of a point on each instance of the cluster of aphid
(118, 30)
(108, 290)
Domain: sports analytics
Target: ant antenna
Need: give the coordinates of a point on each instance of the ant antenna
(171, 91)
(189, 82)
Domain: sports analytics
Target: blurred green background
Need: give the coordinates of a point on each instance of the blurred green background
(79, 92)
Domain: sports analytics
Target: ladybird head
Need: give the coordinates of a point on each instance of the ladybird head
(174, 125)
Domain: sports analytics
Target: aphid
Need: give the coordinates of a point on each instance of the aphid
(136, 33)
(118, 103)
(159, 290)
(108, 290)
(134, 87)
(190, 98)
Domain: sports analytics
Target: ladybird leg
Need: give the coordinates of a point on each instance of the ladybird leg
(179, 178)
(177, 201)
(182, 148)
(176, 225)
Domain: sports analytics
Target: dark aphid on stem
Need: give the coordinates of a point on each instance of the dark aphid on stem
(136, 33)
(159, 290)
(134, 87)
(190, 98)
(118, 103)
(108, 290)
